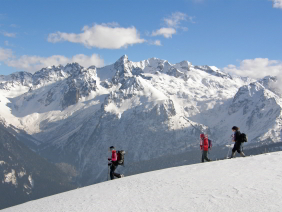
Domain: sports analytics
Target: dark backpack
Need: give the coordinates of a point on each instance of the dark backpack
(243, 137)
(210, 143)
(120, 157)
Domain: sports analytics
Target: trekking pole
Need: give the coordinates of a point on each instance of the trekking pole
(108, 173)
(229, 146)
(228, 151)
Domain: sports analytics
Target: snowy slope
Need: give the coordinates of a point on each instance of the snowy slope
(242, 184)
(149, 108)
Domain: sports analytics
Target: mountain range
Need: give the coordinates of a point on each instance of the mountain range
(151, 109)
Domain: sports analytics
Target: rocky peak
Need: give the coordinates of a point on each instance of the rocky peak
(123, 59)
(272, 84)
(73, 68)
(123, 69)
(185, 65)
(251, 96)
(15, 79)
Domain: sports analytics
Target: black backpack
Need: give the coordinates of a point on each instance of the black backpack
(120, 157)
(243, 137)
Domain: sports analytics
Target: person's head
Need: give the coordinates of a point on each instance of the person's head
(111, 148)
(234, 128)
(202, 135)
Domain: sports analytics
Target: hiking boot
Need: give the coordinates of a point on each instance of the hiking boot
(233, 154)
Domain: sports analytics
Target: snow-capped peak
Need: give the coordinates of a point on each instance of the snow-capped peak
(123, 59)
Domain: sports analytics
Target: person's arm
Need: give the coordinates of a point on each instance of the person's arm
(233, 137)
(201, 143)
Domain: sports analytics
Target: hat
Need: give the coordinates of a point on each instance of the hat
(111, 148)
(235, 128)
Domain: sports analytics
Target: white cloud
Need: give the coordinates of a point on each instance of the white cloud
(166, 32)
(87, 61)
(35, 63)
(8, 34)
(104, 36)
(256, 68)
(277, 4)
(175, 19)
(173, 23)
(156, 43)
(5, 54)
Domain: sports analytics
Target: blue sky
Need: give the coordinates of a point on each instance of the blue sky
(240, 36)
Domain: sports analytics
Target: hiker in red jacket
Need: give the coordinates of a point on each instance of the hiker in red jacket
(204, 145)
(113, 164)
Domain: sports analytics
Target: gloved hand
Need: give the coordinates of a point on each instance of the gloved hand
(109, 158)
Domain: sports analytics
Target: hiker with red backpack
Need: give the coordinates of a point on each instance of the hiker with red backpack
(238, 138)
(205, 145)
(114, 161)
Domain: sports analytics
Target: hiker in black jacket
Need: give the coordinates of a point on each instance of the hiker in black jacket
(238, 144)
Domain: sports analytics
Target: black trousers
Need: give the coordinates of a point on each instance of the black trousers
(112, 172)
(237, 147)
(205, 156)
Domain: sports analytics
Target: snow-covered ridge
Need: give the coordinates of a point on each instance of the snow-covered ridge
(126, 67)
(243, 184)
(41, 78)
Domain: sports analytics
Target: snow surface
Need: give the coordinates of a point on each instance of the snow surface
(240, 184)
